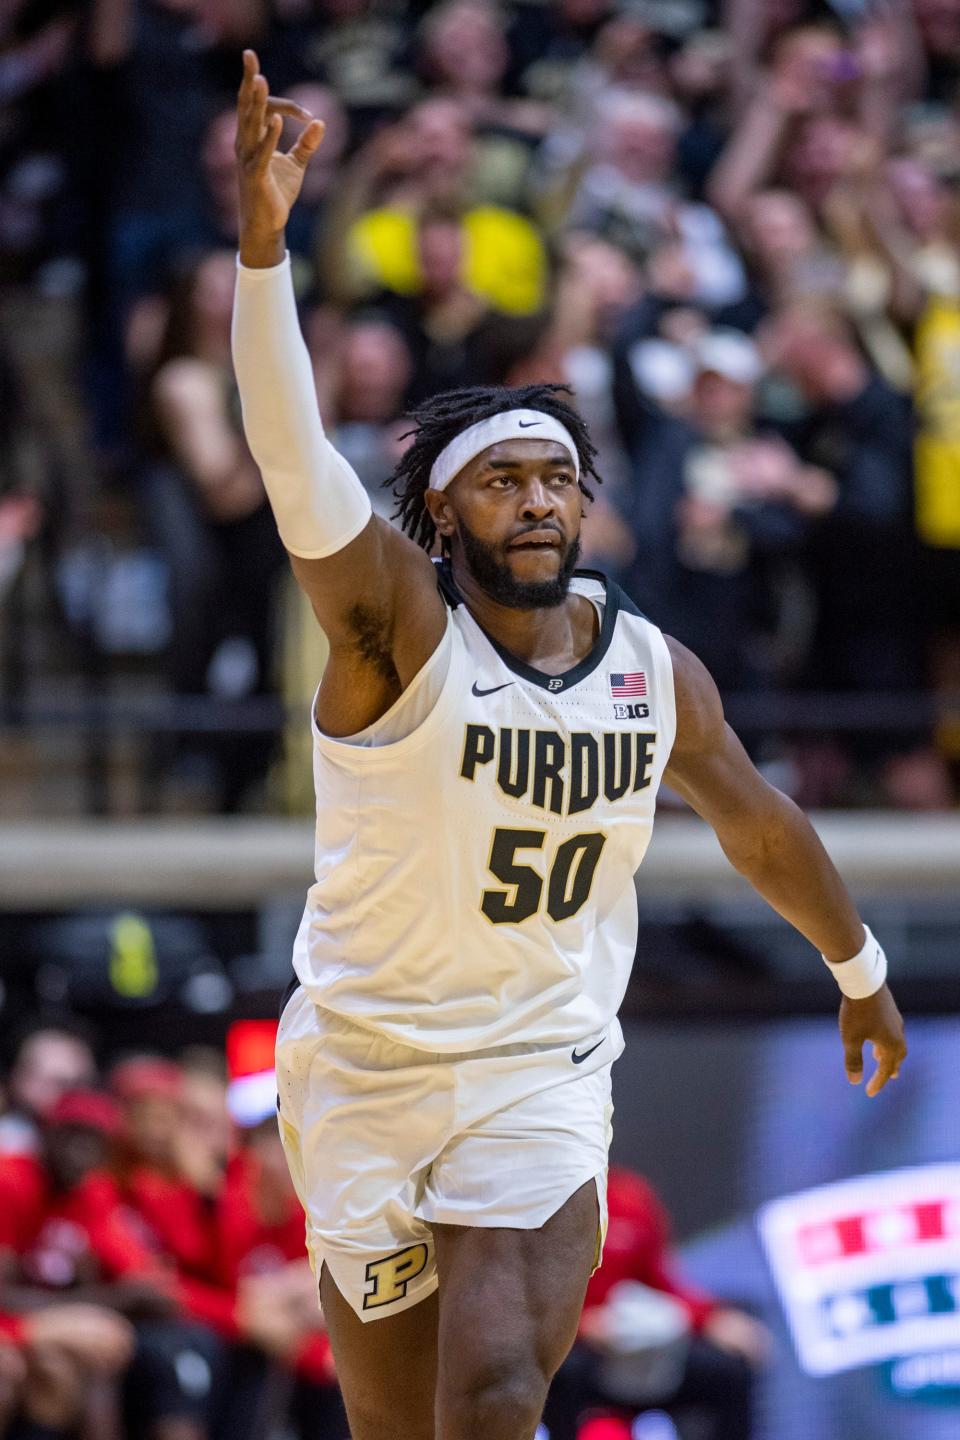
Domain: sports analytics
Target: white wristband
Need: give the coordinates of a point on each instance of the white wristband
(865, 973)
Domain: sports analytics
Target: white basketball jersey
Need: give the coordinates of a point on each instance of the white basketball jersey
(474, 879)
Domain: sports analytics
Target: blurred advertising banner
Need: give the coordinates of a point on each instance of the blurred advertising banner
(868, 1271)
(252, 1081)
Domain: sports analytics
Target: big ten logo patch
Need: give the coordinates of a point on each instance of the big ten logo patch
(391, 1276)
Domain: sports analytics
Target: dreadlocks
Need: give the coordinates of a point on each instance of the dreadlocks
(442, 418)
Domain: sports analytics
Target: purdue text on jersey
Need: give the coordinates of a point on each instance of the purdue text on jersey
(564, 774)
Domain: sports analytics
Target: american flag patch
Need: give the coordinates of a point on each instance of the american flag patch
(623, 686)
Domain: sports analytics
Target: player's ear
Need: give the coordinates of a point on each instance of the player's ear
(441, 511)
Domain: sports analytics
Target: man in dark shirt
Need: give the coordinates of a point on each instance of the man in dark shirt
(714, 497)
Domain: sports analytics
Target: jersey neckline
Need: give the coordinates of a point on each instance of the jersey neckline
(553, 684)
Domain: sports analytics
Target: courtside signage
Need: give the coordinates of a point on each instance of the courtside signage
(868, 1270)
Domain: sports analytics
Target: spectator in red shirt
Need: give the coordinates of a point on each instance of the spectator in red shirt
(48, 1059)
(261, 1227)
(263, 1256)
(704, 1353)
(176, 1215)
(61, 1224)
(65, 1229)
(61, 1231)
(184, 1196)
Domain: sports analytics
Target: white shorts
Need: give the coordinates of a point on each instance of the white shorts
(384, 1140)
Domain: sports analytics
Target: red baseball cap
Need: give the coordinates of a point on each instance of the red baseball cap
(147, 1075)
(90, 1108)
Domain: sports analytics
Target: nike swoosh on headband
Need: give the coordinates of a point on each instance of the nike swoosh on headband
(492, 691)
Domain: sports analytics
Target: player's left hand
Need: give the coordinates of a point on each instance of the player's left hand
(878, 1020)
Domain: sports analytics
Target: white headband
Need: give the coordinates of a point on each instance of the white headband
(508, 425)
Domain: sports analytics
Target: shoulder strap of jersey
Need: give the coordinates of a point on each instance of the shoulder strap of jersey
(446, 584)
(615, 592)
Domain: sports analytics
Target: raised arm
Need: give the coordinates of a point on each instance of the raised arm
(752, 154)
(358, 571)
(773, 845)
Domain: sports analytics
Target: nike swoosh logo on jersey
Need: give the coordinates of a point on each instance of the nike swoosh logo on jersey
(492, 691)
(579, 1059)
(528, 424)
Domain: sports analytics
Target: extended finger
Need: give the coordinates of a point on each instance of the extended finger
(277, 105)
(265, 152)
(307, 143)
(853, 1061)
(252, 115)
(258, 109)
(251, 69)
(886, 1068)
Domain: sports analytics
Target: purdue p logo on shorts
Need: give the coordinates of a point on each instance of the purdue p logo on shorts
(391, 1275)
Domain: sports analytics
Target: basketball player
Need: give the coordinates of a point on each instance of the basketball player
(489, 736)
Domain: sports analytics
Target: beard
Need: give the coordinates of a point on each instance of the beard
(495, 576)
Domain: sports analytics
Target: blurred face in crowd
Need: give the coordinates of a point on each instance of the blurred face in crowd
(638, 136)
(823, 152)
(205, 1119)
(212, 296)
(628, 52)
(465, 48)
(152, 1121)
(815, 63)
(219, 162)
(605, 277)
(49, 1064)
(702, 68)
(439, 140)
(375, 369)
(779, 228)
(921, 199)
(814, 348)
(72, 1151)
(721, 406)
(440, 252)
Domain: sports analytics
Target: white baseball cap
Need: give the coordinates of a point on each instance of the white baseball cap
(729, 353)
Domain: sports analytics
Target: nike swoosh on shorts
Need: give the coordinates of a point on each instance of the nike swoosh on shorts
(579, 1059)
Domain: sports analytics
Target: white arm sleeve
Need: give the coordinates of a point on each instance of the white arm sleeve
(317, 499)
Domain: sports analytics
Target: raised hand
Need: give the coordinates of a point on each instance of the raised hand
(269, 179)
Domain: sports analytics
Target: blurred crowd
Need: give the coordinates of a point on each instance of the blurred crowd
(731, 226)
(154, 1282)
(153, 1272)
